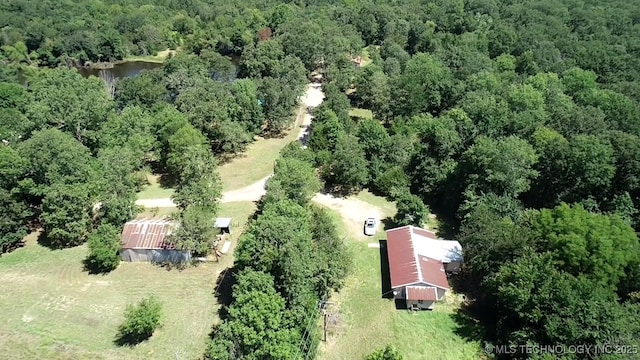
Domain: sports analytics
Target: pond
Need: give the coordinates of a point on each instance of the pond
(133, 68)
(121, 70)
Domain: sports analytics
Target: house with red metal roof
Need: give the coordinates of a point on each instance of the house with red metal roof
(148, 240)
(418, 265)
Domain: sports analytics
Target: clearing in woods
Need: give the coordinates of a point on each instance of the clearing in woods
(251, 167)
(366, 321)
(52, 309)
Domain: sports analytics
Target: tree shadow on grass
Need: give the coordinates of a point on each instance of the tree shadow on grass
(93, 269)
(223, 291)
(45, 241)
(468, 326)
(128, 340)
(167, 181)
(174, 265)
(339, 191)
(447, 228)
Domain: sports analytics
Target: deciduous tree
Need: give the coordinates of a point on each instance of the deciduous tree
(104, 245)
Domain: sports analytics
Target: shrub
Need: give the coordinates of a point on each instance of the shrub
(140, 321)
(388, 353)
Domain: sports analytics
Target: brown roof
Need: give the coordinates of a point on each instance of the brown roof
(407, 267)
(147, 234)
(433, 272)
(428, 293)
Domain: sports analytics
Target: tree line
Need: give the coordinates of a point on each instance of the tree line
(522, 143)
(287, 261)
(518, 123)
(74, 157)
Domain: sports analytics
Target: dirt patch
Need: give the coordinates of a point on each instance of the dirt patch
(166, 53)
(313, 97)
(352, 210)
(252, 192)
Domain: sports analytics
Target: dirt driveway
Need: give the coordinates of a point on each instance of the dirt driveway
(312, 97)
(352, 210)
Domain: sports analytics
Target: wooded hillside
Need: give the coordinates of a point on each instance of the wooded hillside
(516, 123)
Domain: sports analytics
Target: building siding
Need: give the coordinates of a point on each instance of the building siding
(420, 304)
(155, 255)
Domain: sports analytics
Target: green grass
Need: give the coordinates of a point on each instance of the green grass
(156, 212)
(366, 58)
(370, 322)
(52, 309)
(257, 162)
(254, 164)
(361, 113)
(388, 208)
(154, 190)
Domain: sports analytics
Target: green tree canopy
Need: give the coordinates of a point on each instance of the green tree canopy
(104, 246)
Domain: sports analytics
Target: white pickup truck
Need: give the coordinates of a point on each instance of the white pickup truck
(370, 226)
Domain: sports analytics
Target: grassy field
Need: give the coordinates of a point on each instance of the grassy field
(52, 309)
(257, 162)
(154, 190)
(156, 212)
(371, 322)
(361, 113)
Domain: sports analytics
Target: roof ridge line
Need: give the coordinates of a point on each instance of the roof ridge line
(416, 256)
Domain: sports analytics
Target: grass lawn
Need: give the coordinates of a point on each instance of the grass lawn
(370, 322)
(154, 190)
(52, 309)
(257, 162)
(361, 113)
(388, 208)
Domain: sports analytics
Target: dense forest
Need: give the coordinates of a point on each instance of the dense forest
(517, 123)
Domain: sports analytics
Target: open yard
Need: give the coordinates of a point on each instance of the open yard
(258, 161)
(247, 168)
(154, 190)
(52, 309)
(361, 113)
(369, 322)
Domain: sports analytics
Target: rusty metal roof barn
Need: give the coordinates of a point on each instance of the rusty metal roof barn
(148, 234)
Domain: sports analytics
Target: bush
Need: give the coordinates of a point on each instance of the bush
(140, 321)
(388, 353)
(104, 244)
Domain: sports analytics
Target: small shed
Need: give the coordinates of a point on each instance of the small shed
(224, 224)
(147, 240)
